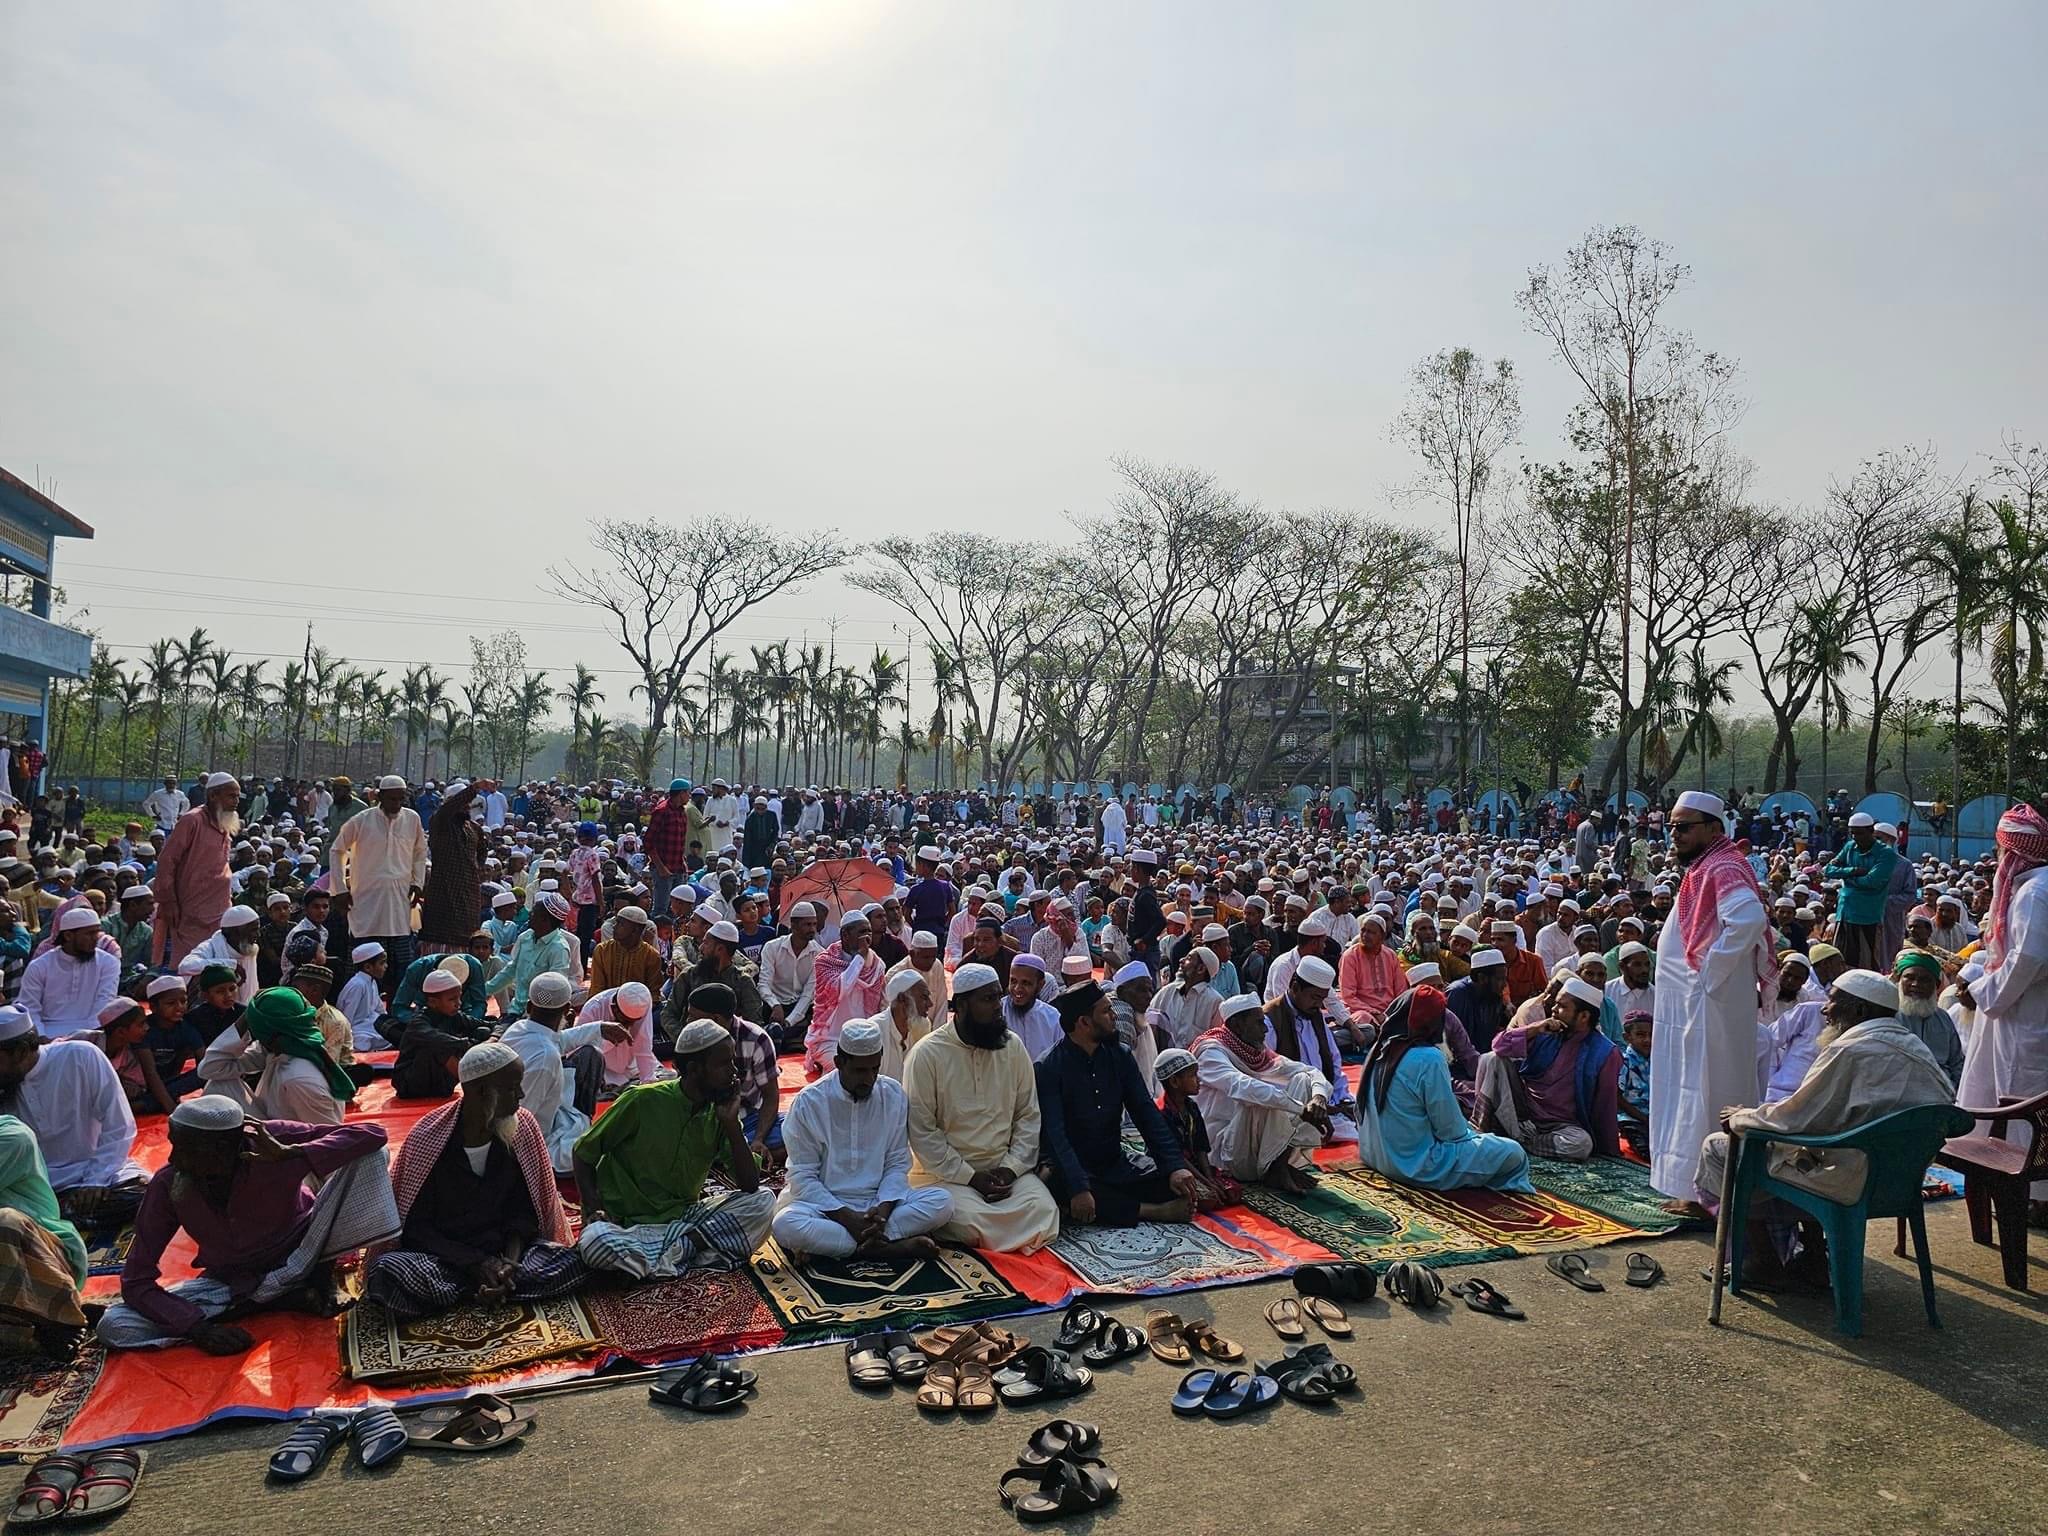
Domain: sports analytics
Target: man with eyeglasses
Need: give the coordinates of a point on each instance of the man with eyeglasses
(1714, 960)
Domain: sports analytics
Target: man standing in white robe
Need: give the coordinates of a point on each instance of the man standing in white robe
(1265, 1114)
(381, 853)
(1115, 827)
(2007, 981)
(1713, 958)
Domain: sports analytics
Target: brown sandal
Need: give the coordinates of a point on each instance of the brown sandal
(977, 1392)
(940, 1392)
(1285, 1316)
(1329, 1317)
(1211, 1343)
(1165, 1333)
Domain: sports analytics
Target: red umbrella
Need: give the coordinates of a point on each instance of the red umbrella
(837, 885)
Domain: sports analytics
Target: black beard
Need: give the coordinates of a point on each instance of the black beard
(989, 1037)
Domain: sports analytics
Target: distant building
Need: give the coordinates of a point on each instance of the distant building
(34, 651)
(1305, 753)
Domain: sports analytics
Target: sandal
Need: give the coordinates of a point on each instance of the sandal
(47, 1493)
(867, 1367)
(1338, 1282)
(1334, 1371)
(307, 1447)
(477, 1429)
(906, 1364)
(1063, 1488)
(706, 1385)
(1203, 1337)
(1329, 1317)
(1418, 1287)
(1193, 1390)
(941, 1389)
(100, 1493)
(1117, 1341)
(1081, 1324)
(1039, 1372)
(1285, 1316)
(1165, 1334)
(1238, 1393)
(1482, 1295)
(1061, 1438)
(378, 1435)
(1571, 1268)
(1643, 1271)
(977, 1391)
(1303, 1380)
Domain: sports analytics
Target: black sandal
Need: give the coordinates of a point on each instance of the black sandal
(1063, 1487)
(1040, 1372)
(1481, 1295)
(1643, 1271)
(907, 1362)
(1338, 1282)
(706, 1385)
(1081, 1323)
(1303, 1380)
(306, 1449)
(1062, 1438)
(1335, 1371)
(1571, 1268)
(1113, 1342)
(867, 1366)
(1418, 1287)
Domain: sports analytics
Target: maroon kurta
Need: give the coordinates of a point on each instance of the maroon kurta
(191, 886)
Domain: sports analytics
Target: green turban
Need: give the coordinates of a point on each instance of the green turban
(214, 975)
(281, 1021)
(1919, 957)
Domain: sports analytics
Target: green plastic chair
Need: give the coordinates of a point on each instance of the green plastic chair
(1899, 1147)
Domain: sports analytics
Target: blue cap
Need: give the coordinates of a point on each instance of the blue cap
(588, 829)
(679, 786)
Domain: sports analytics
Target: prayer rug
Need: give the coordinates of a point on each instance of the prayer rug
(471, 1340)
(1607, 1186)
(1157, 1256)
(1517, 1223)
(106, 1248)
(1361, 1217)
(827, 1295)
(669, 1319)
(39, 1399)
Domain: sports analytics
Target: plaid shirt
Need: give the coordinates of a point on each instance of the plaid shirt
(760, 1078)
(668, 835)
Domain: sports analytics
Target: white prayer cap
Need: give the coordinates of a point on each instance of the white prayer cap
(898, 984)
(550, 989)
(221, 781)
(1130, 972)
(159, 985)
(1202, 952)
(118, 1010)
(1317, 923)
(929, 853)
(76, 918)
(686, 892)
(924, 938)
(438, 980)
(1870, 987)
(1466, 932)
(365, 952)
(1243, 1002)
(1483, 958)
(1429, 970)
(1144, 856)
(1568, 905)
(391, 781)
(144, 893)
(1793, 957)
(1631, 949)
(482, 1060)
(1174, 1061)
(1584, 991)
(860, 1037)
(504, 899)
(1315, 971)
(1887, 831)
(632, 915)
(1214, 932)
(1176, 919)
(1375, 919)
(1699, 800)
(238, 916)
(276, 899)
(1862, 819)
(1661, 890)
(209, 1112)
(731, 935)
(633, 1000)
(973, 976)
(1504, 925)
(1554, 892)
(700, 1035)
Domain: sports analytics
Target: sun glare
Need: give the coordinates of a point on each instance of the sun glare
(761, 31)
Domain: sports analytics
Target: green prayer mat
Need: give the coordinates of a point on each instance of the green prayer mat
(827, 1296)
(1614, 1187)
(1360, 1217)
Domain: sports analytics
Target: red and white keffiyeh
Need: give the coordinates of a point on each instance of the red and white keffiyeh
(2022, 838)
(1709, 881)
(424, 1144)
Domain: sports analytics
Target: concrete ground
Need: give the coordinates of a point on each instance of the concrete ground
(1615, 1412)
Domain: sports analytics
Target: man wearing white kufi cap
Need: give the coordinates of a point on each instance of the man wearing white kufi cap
(1296, 1027)
(1554, 1086)
(1265, 1112)
(1873, 1066)
(906, 1018)
(192, 885)
(1188, 1005)
(632, 1008)
(64, 988)
(924, 960)
(235, 946)
(1714, 968)
(847, 1138)
(66, 1091)
(380, 856)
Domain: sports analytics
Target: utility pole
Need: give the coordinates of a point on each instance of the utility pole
(299, 726)
(832, 682)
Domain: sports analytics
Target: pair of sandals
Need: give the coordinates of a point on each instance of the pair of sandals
(1311, 1374)
(970, 1344)
(1177, 1341)
(1572, 1268)
(875, 1362)
(1286, 1316)
(75, 1489)
(1414, 1285)
(1059, 1474)
(479, 1422)
(1223, 1394)
(706, 1385)
(1040, 1372)
(1338, 1282)
(1100, 1338)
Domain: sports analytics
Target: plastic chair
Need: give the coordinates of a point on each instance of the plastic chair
(1898, 1147)
(1996, 1175)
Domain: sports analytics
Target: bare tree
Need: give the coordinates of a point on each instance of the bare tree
(671, 591)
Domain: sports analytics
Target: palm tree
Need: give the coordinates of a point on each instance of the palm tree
(192, 653)
(452, 726)
(1704, 689)
(582, 695)
(2016, 615)
(128, 700)
(102, 684)
(223, 677)
(945, 689)
(161, 671)
(1823, 638)
(907, 741)
(323, 674)
(479, 703)
(249, 706)
(1952, 555)
(532, 705)
(884, 677)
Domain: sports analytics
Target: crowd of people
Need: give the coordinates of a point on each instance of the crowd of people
(995, 1004)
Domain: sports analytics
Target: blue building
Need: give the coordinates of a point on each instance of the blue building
(33, 651)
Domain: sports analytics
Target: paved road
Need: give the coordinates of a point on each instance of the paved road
(1622, 1411)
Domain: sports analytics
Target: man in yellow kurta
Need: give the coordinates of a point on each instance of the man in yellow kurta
(974, 1122)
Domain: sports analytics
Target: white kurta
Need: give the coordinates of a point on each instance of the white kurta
(895, 1048)
(2008, 1046)
(1281, 976)
(1039, 1027)
(72, 1099)
(628, 1061)
(1115, 828)
(362, 1005)
(64, 995)
(851, 1154)
(544, 1089)
(1704, 1052)
(381, 859)
(218, 951)
(1254, 1121)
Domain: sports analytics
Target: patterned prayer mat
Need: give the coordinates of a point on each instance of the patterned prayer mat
(1155, 1256)
(469, 1341)
(38, 1400)
(1608, 1186)
(842, 1294)
(1514, 1222)
(1360, 1216)
(668, 1319)
(106, 1248)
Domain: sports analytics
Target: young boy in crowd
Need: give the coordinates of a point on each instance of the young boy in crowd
(1634, 1094)
(172, 1038)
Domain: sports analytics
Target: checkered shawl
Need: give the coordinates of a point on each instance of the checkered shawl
(423, 1146)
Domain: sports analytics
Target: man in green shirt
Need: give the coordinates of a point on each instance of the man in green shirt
(640, 1170)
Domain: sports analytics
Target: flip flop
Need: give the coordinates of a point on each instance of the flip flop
(1060, 1438)
(47, 1493)
(906, 1363)
(1203, 1337)
(867, 1367)
(1117, 1341)
(1194, 1388)
(1481, 1295)
(101, 1492)
(1039, 1372)
(477, 1430)
(1571, 1268)
(1165, 1334)
(1081, 1323)
(977, 1393)
(437, 1414)
(941, 1390)
(306, 1449)
(1643, 1271)
(1328, 1316)
(1239, 1393)
(1412, 1283)
(1285, 1316)
(378, 1435)
(1063, 1488)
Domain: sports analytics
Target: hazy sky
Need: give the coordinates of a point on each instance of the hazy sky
(351, 305)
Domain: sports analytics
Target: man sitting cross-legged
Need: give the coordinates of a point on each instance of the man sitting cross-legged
(1264, 1111)
(974, 1122)
(482, 1218)
(640, 1170)
(68, 1093)
(564, 1067)
(1086, 1085)
(1411, 1126)
(237, 1187)
(849, 1189)
(1554, 1086)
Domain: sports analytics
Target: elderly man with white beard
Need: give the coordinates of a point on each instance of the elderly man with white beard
(191, 883)
(1918, 975)
(476, 1192)
(235, 946)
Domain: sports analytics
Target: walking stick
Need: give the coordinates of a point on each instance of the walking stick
(1721, 1225)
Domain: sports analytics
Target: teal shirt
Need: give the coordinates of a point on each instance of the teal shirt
(1866, 879)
